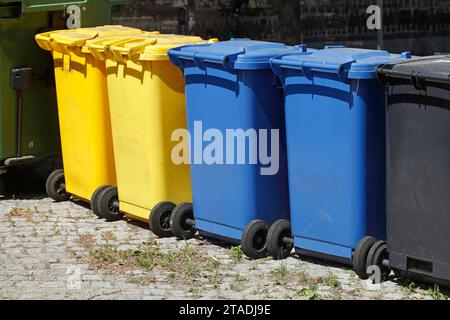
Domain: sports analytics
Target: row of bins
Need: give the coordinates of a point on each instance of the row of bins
(269, 146)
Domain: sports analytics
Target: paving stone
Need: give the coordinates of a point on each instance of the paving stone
(48, 256)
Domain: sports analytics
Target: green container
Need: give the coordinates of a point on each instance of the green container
(28, 113)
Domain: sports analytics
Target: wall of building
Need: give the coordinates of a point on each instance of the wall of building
(422, 26)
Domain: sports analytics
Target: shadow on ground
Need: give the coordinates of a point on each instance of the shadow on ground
(27, 182)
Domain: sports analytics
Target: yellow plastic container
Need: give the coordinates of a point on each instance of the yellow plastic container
(147, 104)
(83, 108)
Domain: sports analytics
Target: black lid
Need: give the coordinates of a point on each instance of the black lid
(421, 72)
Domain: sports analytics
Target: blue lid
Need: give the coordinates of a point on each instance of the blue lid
(242, 54)
(351, 63)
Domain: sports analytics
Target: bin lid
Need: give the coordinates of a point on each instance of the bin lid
(66, 41)
(351, 63)
(235, 54)
(420, 71)
(148, 47)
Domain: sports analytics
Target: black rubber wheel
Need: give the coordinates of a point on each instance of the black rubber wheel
(159, 220)
(254, 238)
(360, 256)
(108, 204)
(276, 247)
(55, 186)
(179, 225)
(95, 201)
(377, 253)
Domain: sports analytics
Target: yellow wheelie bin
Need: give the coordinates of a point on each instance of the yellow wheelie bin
(147, 105)
(84, 118)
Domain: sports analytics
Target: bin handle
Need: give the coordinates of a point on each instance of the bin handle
(151, 33)
(101, 47)
(98, 48)
(176, 56)
(67, 46)
(70, 43)
(199, 59)
(278, 64)
(48, 43)
(123, 53)
(224, 60)
(43, 40)
(62, 44)
(419, 80)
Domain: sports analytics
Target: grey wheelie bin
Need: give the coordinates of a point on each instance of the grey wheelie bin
(418, 205)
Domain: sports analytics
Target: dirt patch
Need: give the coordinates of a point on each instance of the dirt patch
(87, 241)
(108, 236)
(22, 213)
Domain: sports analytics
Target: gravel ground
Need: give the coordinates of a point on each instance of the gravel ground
(62, 251)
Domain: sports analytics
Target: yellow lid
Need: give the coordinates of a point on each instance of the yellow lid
(99, 46)
(66, 41)
(149, 47)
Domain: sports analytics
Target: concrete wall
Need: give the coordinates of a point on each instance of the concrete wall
(422, 26)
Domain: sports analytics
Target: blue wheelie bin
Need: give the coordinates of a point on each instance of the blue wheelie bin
(234, 105)
(335, 128)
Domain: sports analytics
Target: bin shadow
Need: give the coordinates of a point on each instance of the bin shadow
(333, 264)
(81, 203)
(215, 242)
(137, 223)
(320, 261)
(198, 237)
(27, 182)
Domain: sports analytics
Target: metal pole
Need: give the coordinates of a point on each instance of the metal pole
(380, 41)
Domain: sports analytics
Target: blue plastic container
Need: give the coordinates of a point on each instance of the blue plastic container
(229, 86)
(335, 127)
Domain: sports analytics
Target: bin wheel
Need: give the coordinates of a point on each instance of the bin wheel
(159, 220)
(95, 201)
(360, 256)
(107, 203)
(56, 186)
(254, 238)
(182, 221)
(277, 245)
(377, 254)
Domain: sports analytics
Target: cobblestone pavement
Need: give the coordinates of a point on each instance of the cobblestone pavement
(61, 251)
